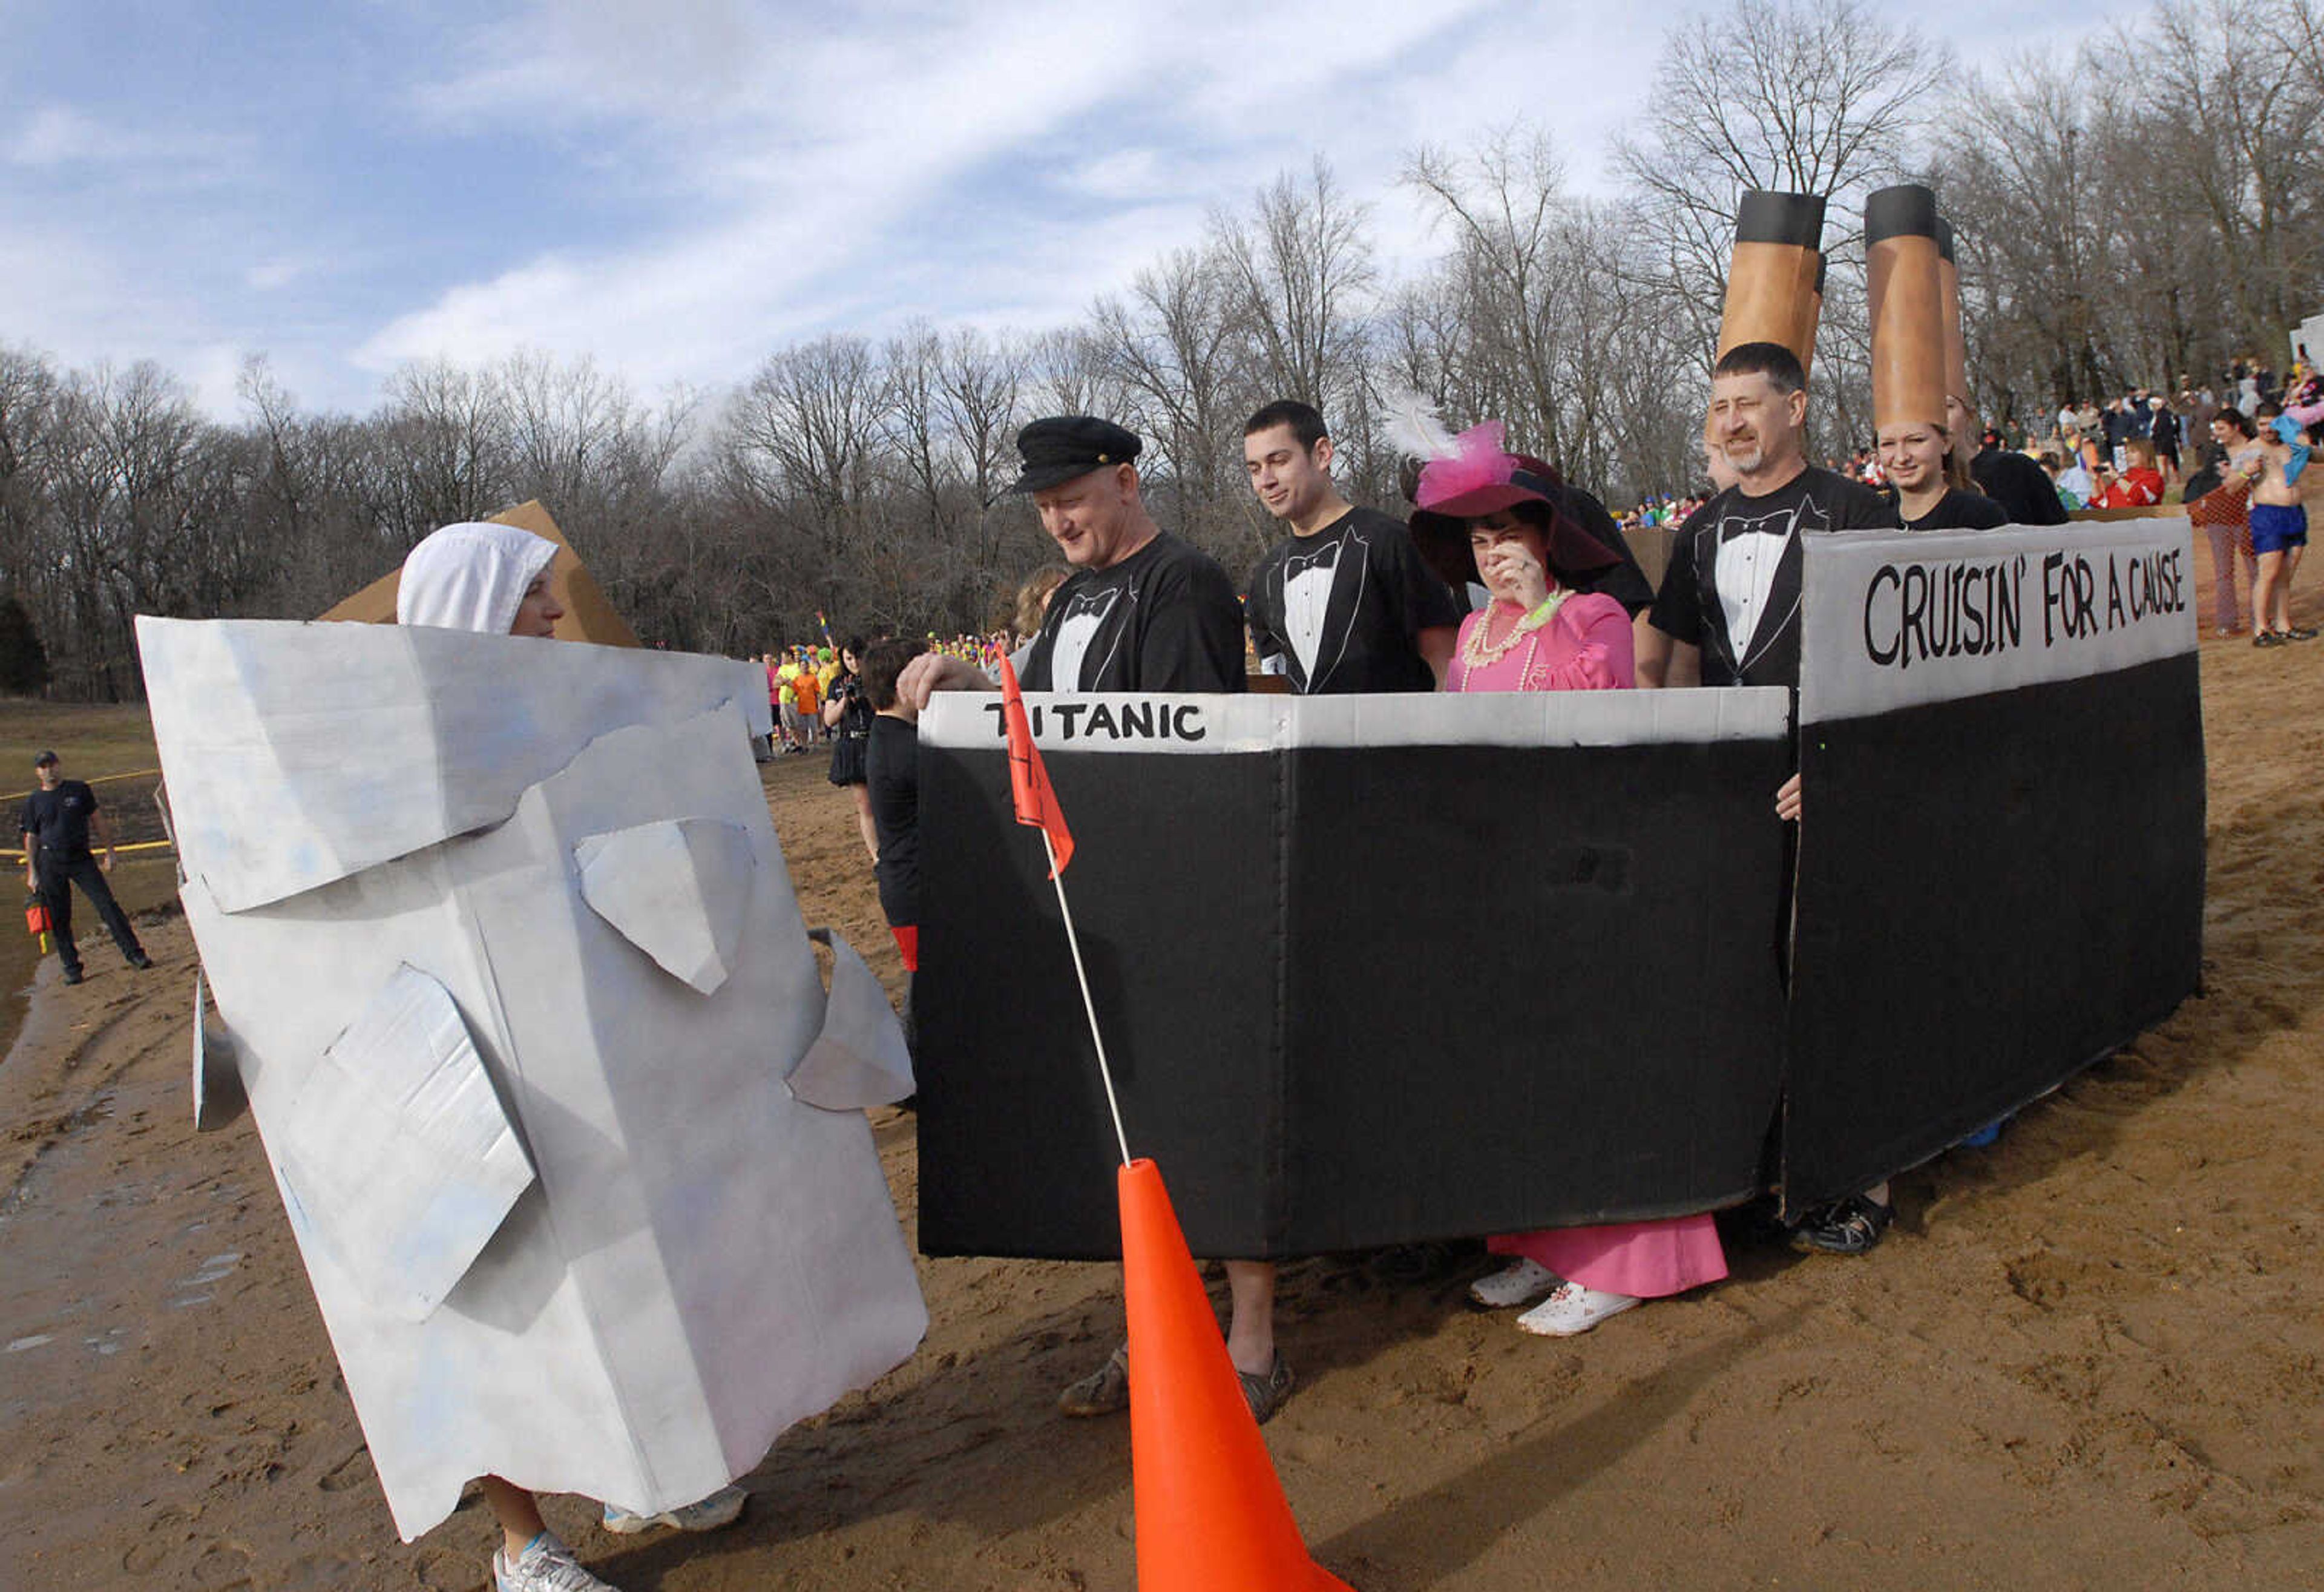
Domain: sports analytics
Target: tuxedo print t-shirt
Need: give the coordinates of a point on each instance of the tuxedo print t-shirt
(1342, 609)
(1733, 585)
(1163, 619)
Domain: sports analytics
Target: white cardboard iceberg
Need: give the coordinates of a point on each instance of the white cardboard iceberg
(516, 978)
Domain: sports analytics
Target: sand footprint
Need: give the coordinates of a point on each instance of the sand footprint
(224, 1564)
(145, 1558)
(353, 1471)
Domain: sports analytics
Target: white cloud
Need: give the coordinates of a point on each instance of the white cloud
(670, 60)
(211, 372)
(74, 285)
(796, 170)
(1119, 174)
(811, 162)
(60, 135)
(804, 193)
(277, 271)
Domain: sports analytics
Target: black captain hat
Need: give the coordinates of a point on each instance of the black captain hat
(1057, 450)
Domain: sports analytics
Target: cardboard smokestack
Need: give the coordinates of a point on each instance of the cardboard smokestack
(1810, 314)
(1771, 283)
(1906, 294)
(1949, 301)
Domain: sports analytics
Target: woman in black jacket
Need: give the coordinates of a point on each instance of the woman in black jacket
(847, 714)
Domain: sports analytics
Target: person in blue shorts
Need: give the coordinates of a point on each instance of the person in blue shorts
(2279, 525)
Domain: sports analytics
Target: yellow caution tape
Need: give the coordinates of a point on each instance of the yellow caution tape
(137, 846)
(99, 779)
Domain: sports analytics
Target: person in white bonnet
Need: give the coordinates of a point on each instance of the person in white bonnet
(494, 579)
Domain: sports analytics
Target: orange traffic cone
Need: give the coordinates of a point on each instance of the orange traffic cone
(1212, 1516)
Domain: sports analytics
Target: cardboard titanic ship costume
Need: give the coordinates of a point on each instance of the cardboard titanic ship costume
(1393, 969)
(565, 1123)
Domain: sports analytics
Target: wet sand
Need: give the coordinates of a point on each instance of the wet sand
(2090, 1356)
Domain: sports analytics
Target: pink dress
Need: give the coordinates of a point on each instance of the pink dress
(1586, 646)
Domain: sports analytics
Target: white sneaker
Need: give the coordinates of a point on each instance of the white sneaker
(1519, 1282)
(722, 1508)
(546, 1565)
(1573, 1309)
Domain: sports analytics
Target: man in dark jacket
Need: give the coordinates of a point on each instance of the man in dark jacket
(56, 824)
(2011, 479)
(2163, 433)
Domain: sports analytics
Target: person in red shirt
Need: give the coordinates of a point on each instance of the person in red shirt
(2139, 485)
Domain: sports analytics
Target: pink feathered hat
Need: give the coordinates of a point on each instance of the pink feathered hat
(1481, 478)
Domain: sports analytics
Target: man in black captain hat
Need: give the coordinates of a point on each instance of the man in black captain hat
(1142, 611)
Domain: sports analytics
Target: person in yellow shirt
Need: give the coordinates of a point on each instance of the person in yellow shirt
(787, 706)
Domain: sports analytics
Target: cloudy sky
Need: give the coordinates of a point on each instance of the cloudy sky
(678, 187)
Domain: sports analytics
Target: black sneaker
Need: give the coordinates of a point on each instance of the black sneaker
(72, 976)
(1853, 1226)
(142, 962)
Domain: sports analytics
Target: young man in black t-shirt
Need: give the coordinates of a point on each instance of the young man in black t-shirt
(56, 824)
(892, 773)
(1345, 603)
(1730, 607)
(891, 778)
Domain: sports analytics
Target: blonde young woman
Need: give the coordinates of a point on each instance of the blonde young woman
(1929, 480)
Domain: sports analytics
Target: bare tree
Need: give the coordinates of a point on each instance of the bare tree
(2240, 112)
(1174, 347)
(28, 398)
(1069, 372)
(806, 427)
(1302, 275)
(447, 430)
(2105, 239)
(1817, 97)
(2016, 176)
(982, 380)
(1503, 203)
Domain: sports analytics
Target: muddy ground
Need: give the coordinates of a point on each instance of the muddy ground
(2086, 1357)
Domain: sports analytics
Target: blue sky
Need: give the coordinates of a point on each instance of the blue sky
(679, 187)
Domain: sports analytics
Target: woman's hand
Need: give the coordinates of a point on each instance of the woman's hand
(1513, 574)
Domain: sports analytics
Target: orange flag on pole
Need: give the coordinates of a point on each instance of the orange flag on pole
(1028, 780)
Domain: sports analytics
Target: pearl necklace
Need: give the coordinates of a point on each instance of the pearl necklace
(1478, 653)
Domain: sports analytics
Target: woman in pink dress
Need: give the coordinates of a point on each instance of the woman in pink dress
(1538, 634)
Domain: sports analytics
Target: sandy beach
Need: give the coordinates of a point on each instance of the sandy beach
(2090, 1356)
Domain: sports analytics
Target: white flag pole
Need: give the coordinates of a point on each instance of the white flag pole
(1074, 941)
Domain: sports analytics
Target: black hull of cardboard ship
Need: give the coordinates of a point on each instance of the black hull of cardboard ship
(1379, 970)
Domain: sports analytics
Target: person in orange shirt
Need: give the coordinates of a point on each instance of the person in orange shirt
(808, 692)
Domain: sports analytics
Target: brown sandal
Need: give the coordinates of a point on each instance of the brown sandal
(1103, 1392)
(1266, 1394)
